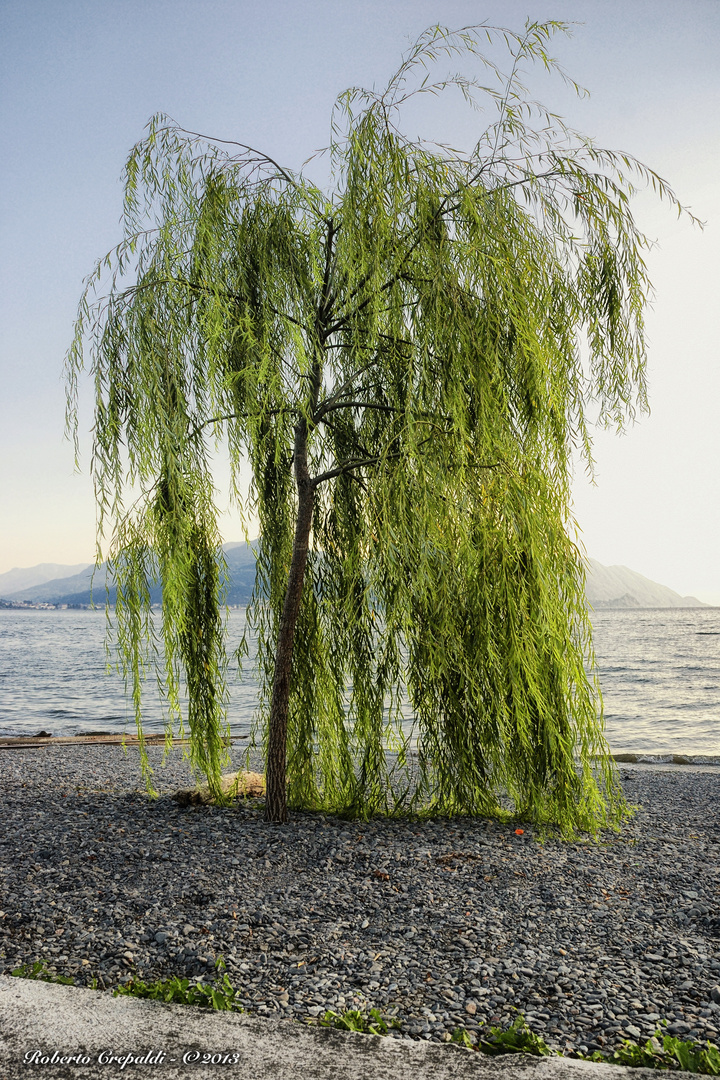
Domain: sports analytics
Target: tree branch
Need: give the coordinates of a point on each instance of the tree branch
(197, 428)
(327, 405)
(232, 142)
(357, 405)
(346, 466)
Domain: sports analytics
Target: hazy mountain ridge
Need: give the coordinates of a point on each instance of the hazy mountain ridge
(608, 587)
(59, 589)
(620, 587)
(89, 585)
(20, 578)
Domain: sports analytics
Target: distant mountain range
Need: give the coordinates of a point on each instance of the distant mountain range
(81, 589)
(618, 587)
(78, 586)
(15, 581)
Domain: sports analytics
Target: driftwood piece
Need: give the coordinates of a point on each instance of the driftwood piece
(248, 785)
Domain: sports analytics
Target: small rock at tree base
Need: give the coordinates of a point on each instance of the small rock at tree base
(249, 785)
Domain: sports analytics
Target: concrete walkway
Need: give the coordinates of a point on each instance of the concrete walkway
(42, 1025)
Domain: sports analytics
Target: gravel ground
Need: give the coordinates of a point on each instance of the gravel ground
(445, 923)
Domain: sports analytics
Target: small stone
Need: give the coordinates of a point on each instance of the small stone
(161, 937)
(241, 784)
(471, 1008)
(678, 1028)
(715, 994)
(634, 1031)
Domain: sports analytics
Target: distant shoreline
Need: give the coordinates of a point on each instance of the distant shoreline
(647, 759)
(596, 606)
(668, 761)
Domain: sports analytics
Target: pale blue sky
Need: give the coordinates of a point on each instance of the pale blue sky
(78, 82)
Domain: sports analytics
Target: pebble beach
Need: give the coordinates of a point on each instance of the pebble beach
(442, 924)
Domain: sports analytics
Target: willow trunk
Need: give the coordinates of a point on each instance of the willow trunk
(275, 769)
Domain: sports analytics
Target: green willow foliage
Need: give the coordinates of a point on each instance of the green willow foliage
(400, 356)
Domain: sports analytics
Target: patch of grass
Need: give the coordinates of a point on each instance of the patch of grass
(661, 1051)
(39, 970)
(517, 1039)
(368, 1022)
(221, 995)
(664, 1052)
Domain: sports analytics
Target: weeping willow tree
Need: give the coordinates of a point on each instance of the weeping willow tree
(406, 360)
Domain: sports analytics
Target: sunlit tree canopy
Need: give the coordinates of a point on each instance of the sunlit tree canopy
(407, 359)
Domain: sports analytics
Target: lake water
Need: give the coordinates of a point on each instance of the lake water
(659, 672)
(660, 677)
(54, 677)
